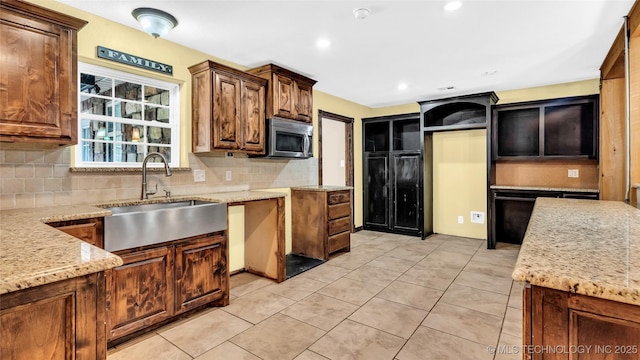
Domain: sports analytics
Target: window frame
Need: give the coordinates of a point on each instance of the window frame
(118, 75)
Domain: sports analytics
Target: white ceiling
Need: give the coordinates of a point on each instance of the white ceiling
(525, 42)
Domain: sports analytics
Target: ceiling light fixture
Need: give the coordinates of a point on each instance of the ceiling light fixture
(453, 5)
(155, 22)
(402, 86)
(361, 13)
(323, 43)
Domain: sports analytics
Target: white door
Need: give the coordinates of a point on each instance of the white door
(333, 152)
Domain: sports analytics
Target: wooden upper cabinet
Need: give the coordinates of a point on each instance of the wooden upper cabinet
(289, 95)
(38, 74)
(228, 109)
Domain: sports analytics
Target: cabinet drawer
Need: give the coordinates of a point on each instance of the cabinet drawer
(338, 197)
(339, 210)
(339, 225)
(339, 241)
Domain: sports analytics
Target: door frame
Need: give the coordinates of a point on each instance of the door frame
(348, 139)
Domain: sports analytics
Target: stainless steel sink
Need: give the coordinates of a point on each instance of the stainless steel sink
(147, 224)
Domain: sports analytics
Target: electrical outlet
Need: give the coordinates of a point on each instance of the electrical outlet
(228, 175)
(477, 217)
(460, 219)
(198, 175)
(573, 173)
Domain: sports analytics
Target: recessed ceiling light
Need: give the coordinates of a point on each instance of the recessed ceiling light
(402, 86)
(323, 43)
(453, 5)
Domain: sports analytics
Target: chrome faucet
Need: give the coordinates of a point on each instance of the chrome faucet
(144, 193)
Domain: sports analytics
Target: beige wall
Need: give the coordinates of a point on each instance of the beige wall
(459, 183)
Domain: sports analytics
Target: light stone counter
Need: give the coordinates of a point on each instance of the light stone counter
(322, 188)
(33, 253)
(539, 188)
(583, 246)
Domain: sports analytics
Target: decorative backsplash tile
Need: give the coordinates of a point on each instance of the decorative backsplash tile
(35, 175)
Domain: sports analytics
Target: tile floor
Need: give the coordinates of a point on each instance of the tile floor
(392, 297)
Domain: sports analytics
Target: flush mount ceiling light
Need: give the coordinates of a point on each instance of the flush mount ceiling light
(361, 13)
(403, 86)
(452, 5)
(155, 22)
(323, 43)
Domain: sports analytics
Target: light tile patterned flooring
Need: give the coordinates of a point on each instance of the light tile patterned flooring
(391, 297)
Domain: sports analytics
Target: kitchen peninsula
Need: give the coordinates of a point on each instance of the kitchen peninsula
(54, 287)
(581, 260)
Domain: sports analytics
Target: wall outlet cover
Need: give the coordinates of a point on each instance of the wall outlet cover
(477, 217)
(228, 175)
(573, 173)
(460, 219)
(199, 175)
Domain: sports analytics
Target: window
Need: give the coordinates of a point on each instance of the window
(123, 117)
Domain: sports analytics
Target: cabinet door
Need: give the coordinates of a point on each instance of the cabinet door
(376, 197)
(283, 96)
(38, 80)
(201, 272)
(406, 194)
(303, 101)
(88, 230)
(202, 112)
(252, 117)
(140, 292)
(226, 113)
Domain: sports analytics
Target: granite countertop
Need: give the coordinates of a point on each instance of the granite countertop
(322, 188)
(33, 253)
(583, 246)
(540, 188)
(221, 197)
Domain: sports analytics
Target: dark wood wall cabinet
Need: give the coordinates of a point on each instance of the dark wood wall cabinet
(511, 211)
(457, 113)
(228, 110)
(160, 282)
(578, 326)
(289, 94)
(38, 63)
(393, 173)
(565, 128)
(321, 222)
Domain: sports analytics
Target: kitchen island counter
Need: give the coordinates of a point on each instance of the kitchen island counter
(585, 247)
(581, 262)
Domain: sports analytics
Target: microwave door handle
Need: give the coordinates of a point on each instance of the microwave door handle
(306, 145)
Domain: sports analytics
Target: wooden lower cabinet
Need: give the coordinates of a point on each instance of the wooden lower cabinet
(63, 320)
(139, 293)
(562, 325)
(158, 283)
(88, 230)
(201, 270)
(321, 222)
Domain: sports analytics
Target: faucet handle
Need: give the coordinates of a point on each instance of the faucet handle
(167, 193)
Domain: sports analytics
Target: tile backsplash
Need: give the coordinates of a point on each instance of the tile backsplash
(34, 176)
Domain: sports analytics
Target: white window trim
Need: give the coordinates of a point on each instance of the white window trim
(174, 113)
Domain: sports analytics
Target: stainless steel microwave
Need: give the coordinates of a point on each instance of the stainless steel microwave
(288, 139)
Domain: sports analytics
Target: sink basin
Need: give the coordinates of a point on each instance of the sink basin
(147, 224)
